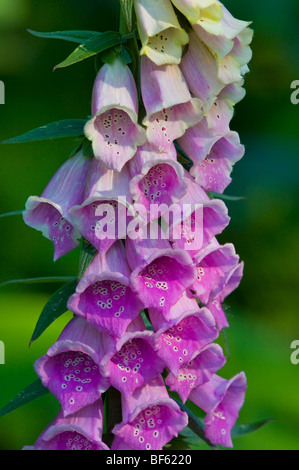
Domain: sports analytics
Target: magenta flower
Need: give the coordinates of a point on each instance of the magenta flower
(170, 109)
(131, 362)
(222, 400)
(80, 431)
(198, 371)
(178, 344)
(148, 306)
(186, 305)
(114, 129)
(70, 369)
(160, 274)
(150, 419)
(157, 178)
(214, 153)
(199, 220)
(50, 213)
(103, 217)
(215, 267)
(104, 297)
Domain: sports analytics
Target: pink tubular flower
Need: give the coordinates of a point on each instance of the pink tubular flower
(150, 419)
(131, 362)
(186, 305)
(215, 266)
(222, 400)
(200, 70)
(179, 343)
(169, 106)
(50, 213)
(70, 369)
(199, 370)
(199, 221)
(157, 178)
(213, 154)
(160, 33)
(160, 274)
(114, 129)
(103, 216)
(80, 431)
(103, 296)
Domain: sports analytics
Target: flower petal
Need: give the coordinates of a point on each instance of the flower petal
(70, 368)
(182, 341)
(161, 35)
(222, 400)
(103, 297)
(199, 370)
(50, 213)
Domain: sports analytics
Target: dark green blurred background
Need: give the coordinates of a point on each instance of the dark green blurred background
(264, 228)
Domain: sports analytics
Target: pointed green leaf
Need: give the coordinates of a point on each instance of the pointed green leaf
(56, 306)
(224, 197)
(54, 130)
(127, 11)
(29, 394)
(37, 280)
(9, 214)
(240, 430)
(94, 45)
(73, 36)
(88, 252)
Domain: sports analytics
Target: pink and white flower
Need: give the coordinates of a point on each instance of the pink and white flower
(113, 129)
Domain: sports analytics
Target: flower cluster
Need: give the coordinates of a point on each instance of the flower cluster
(148, 310)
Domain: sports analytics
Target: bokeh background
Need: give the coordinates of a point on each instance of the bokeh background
(263, 312)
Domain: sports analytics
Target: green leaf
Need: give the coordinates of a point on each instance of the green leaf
(87, 148)
(94, 45)
(54, 130)
(73, 36)
(126, 56)
(240, 430)
(56, 306)
(88, 252)
(127, 11)
(178, 443)
(224, 197)
(29, 394)
(37, 280)
(9, 214)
